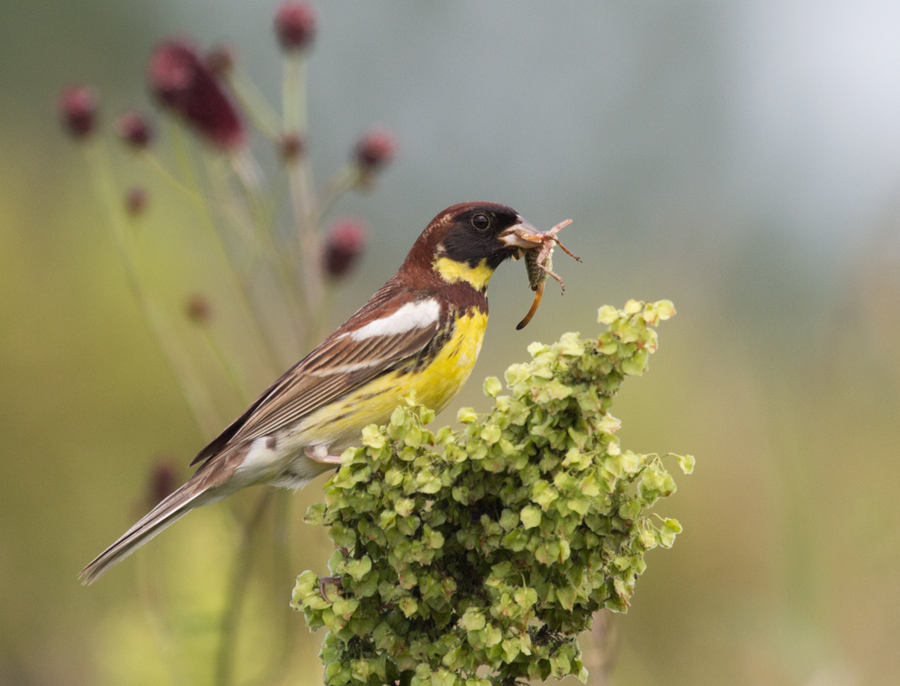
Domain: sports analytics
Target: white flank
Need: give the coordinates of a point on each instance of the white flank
(260, 461)
(411, 316)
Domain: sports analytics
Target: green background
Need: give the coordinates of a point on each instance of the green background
(738, 160)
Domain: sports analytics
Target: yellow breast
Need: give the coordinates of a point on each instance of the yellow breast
(440, 381)
(340, 423)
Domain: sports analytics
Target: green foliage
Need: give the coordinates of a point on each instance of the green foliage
(492, 546)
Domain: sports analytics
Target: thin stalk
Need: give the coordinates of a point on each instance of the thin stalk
(242, 291)
(237, 593)
(232, 211)
(338, 185)
(167, 176)
(293, 93)
(300, 182)
(304, 213)
(230, 369)
(251, 101)
(192, 388)
(276, 672)
(162, 629)
(321, 324)
(278, 259)
(260, 248)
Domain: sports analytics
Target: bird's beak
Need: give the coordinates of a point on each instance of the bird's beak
(522, 235)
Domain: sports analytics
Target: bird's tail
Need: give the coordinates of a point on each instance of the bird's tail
(169, 510)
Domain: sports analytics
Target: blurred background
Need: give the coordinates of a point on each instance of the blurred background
(740, 159)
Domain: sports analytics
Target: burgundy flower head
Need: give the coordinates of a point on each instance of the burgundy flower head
(374, 150)
(295, 25)
(134, 129)
(221, 60)
(135, 201)
(198, 309)
(343, 246)
(291, 146)
(78, 110)
(162, 481)
(185, 84)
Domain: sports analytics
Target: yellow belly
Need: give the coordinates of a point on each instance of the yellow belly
(340, 423)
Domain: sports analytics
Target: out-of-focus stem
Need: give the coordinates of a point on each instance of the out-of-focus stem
(237, 592)
(252, 102)
(300, 182)
(278, 261)
(231, 210)
(162, 628)
(601, 650)
(303, 206)
(277, 670)
(293, 93)
(231, 372)
(192, 388)
(242, 292)
(167, 176)
(341, 182)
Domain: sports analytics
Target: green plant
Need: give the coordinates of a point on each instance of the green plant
(493, 546)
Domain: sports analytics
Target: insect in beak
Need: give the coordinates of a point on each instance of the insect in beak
(538, 261)
(522, 235)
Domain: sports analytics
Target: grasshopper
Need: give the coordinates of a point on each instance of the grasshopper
(538, 264)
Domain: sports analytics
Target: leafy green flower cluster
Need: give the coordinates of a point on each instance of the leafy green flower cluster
(493, 546)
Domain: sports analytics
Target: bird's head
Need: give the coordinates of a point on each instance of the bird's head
(467, 242)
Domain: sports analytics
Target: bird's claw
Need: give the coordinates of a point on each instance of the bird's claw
(319, 453)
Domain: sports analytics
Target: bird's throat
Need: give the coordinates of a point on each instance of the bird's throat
(452, 271)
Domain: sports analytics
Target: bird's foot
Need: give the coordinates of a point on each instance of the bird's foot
(319, 453)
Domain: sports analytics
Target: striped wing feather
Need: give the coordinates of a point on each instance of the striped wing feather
(337, 367)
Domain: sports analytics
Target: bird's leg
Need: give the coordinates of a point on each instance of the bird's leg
(319, 453)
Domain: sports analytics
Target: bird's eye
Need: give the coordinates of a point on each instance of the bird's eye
(481, 222)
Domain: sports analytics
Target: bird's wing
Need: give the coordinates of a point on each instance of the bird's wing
(384, 333)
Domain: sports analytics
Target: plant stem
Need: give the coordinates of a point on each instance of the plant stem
(237, 592)
(281, 663)
(252, 102)
(293, 93)
(231, 372)
(279, 260)
(303, 202)
(160, 625)
(167, 176)
(340, 183)
(243, 295)
(192, 388)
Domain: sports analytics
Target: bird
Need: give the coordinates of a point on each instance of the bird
(421, 332)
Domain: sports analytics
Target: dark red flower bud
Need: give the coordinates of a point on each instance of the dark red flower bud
(134, 130)
(220, 60)
(343, 246)
(185, 84)
(374, 150)
(161, 483)
(291, 146)
(135, 201)
(198, 310)
(78, 110)
(295, 25)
